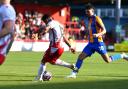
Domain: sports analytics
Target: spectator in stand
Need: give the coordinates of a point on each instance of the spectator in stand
(18, 33)
(28, 31)
(20, 25)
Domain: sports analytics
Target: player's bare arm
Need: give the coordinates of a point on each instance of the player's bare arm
(69, 45)
(7, 28)
(100, 34)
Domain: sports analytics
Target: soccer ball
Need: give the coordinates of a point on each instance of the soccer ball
(47, 76)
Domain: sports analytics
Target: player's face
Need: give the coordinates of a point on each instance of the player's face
(89, 12)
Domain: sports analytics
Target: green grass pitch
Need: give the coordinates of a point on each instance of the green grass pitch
(20, 68)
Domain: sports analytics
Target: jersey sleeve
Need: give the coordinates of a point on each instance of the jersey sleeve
(51, 24)
(8, 13)
(99, 22)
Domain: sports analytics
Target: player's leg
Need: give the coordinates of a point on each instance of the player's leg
(55, 58)
(42, 67)
(6, 43)
(56, 61)
(78, 65)
(101, 49)
(41, 70)
(114, 57)
(49, 56)
(79, 61)
(65, 64)
(106, 58)
(87, 51)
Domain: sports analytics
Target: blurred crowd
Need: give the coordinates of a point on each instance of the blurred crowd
(29, 26)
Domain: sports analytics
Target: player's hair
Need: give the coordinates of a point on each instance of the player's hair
(89, 6)
(46, 17)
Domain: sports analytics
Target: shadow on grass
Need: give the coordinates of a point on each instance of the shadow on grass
(106, 84)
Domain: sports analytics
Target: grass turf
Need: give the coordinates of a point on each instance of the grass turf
(20, 68)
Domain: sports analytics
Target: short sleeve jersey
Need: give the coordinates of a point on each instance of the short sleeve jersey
(95, 26)
(56, 31)
(7, 12)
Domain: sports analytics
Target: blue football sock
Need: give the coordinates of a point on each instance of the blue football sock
(116, 57)
(79, 63)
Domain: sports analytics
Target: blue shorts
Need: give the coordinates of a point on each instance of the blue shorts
(92, 47)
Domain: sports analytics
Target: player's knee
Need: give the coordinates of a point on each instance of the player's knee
(2, 58)
(82, 56)
(106, 58)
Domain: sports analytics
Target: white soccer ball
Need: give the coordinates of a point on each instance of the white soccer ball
(47, 76)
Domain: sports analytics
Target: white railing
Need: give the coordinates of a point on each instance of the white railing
(40, 46)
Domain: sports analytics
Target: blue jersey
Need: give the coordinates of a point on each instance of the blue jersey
(95, 26)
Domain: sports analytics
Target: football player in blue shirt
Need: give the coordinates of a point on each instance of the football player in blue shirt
(96, 31)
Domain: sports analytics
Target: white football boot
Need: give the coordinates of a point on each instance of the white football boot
(72, 75)
(125, 56)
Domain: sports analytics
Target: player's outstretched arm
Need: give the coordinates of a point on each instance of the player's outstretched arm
(69, 45)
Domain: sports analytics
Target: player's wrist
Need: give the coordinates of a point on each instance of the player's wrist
(68, 44)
